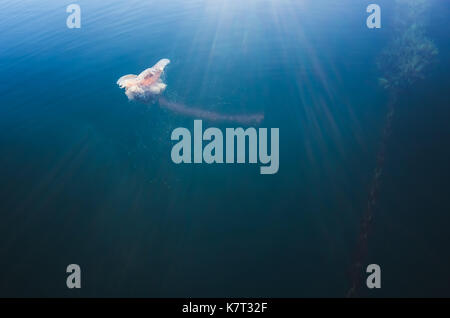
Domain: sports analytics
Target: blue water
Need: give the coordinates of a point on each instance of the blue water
(86, 175)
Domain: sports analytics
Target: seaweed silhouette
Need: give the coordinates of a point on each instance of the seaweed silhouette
(403, 63)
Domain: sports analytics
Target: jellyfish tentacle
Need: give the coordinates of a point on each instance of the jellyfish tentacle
(244, 119)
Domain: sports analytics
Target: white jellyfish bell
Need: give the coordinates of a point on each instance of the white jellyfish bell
(146, 85)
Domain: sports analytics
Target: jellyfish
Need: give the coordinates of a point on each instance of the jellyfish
(402, 63)
(148, 86)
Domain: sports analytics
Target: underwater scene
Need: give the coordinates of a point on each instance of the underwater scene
(224, 148)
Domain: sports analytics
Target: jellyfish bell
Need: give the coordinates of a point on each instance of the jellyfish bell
(147, 85)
